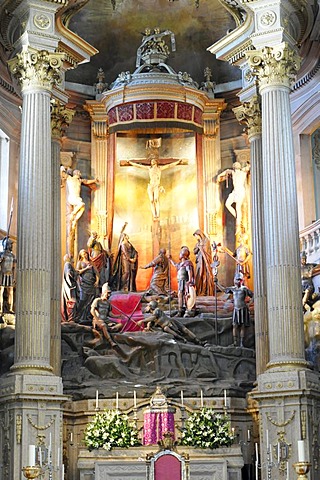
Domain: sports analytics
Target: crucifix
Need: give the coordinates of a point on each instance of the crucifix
(154, 165)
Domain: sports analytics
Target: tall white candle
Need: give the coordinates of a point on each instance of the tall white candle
(62, 472)
(248, 437)
(134, 399)
(58, 458)
(117, 401)
(40, 456)
(71, 437)
(181, 393)
(225, 398)
(32, 456)
(97, 399)
(257, 454)
(301, 451)
(287, 470)
(279, 452)
(257, 470)
(50, 446)
(201, 399)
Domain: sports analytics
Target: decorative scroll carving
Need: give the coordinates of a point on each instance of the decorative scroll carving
(274, 65)
(249, 114)
(37, 68)
(61, 117)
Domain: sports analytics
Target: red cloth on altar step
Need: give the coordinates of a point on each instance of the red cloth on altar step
(128, 305)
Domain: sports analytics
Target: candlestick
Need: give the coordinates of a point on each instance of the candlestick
(97, 399)
(31, 472)
(32, 456)
(117, 401)
(134, 399)
(301, 451)
(201, 399)
(181, 393)
(225, 398)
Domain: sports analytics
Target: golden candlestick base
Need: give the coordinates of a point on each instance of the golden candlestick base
(302, 468)
(31, 472)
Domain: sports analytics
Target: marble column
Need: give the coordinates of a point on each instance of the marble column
(61, 117)
(249, 114)
(275, 67)
(287, 389)
(39, 419)
(36, 71)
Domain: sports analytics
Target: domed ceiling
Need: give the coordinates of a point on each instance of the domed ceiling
(116, 27)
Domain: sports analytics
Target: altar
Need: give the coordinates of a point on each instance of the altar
(119, 464)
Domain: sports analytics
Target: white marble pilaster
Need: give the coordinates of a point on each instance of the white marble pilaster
(249, 114)
(60, 119)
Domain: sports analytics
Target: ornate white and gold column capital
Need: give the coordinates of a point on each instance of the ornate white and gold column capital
(61, 117)
(37, 68)
(274, 66)
(249, 114)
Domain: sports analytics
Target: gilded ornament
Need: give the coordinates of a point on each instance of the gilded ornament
(41, 21)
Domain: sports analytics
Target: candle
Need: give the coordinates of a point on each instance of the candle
(279, 452)
(58, 458)
(287, 471)
(301, 451)
(201, 399)
(134, 399)
(181, 398)
(117, 401)
(232, 429)
(32, 456)
(257, 471)
(40, 456)
(225, 398)
(267, 439)
(248, 437)
(271, 461)
(49, 449)
(62, 472)
(97, 399)
(257, 454)
(71, 437)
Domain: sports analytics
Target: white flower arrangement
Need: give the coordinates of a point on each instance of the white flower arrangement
(207, 429)
(110, 429)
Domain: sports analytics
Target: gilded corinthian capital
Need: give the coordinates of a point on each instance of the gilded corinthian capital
(274, 65)
(61, 117)
(249, 114)
(37, 68)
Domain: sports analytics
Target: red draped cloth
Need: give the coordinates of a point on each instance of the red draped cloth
(167, 467)
(128, 305)
(156, 423)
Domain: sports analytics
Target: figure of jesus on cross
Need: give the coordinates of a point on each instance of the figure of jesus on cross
(154, 188)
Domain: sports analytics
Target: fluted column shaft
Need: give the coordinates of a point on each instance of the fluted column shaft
(258, 247)
(32, 345)
(274, 68)
(61, 117)
(249, 114)
(36, 71)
